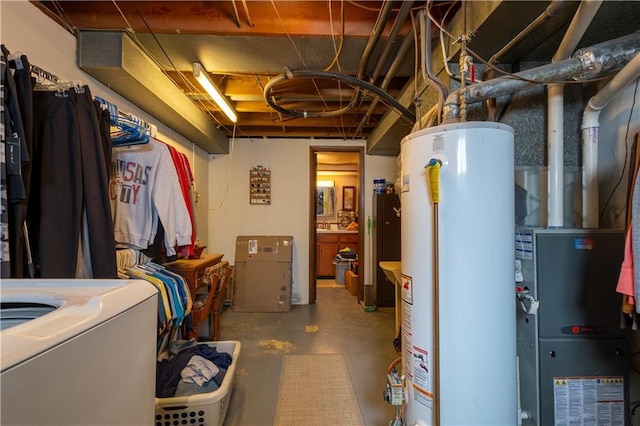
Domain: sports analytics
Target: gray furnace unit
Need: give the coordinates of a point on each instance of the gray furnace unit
(572, 353)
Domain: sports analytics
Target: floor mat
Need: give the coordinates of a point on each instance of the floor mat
(328, 284)
(316, 390)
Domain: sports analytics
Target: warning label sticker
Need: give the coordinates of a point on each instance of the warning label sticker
(422, 397)
(421, 368)
(524, 246)
(595, 400)
(407, 289)
(407, 341)
(406, 183)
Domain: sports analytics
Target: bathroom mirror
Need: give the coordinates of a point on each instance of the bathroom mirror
(325, 200)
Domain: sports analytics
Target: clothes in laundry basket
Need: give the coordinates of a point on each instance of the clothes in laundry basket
(188, 389)
(199, 371)
(168, 372)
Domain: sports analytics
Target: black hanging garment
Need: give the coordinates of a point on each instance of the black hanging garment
(69, 177)
(5, 256)
(16, 157)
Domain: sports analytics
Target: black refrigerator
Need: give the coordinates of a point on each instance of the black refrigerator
(385, 240)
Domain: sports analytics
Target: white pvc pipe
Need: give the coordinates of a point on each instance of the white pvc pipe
(581, 20)
(583, 17)
(555, 131)
(590, 125)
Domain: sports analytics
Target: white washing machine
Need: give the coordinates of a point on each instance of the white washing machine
(77, 352)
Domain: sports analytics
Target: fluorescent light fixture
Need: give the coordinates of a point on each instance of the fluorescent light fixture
(207, 84)
(326, 183)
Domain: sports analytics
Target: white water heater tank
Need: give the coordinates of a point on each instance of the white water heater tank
(463, 372)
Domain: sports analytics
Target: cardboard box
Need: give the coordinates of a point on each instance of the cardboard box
(351, 282)
(263, 274)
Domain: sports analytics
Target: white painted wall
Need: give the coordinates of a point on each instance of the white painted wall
(23, 28)
(231, 215)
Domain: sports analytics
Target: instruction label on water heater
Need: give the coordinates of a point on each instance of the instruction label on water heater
(438, 142)
(406, 183)
(594, 400)
(420, 366)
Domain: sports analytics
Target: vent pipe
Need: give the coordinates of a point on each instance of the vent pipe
(555, 111)
(586, 63)
(590, 125)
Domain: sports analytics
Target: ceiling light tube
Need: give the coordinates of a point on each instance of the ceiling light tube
(207, 84)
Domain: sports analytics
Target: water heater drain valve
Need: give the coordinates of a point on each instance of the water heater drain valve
(395, 394)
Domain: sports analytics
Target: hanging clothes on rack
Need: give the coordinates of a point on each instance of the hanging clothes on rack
(174, 304)
(125, 128)
(629, 281)
(67, 211)
(192, 191)
(127, 258)
(20, 66)
(144, 190)
(5, 253)
(104, 123)
(184, 180)
(17, 158)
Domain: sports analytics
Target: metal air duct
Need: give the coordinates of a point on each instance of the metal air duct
(119, 63)
(584, 64)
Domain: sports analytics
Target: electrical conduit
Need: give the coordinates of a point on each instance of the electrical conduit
(555, 97)
(590, 125)
(426, 66)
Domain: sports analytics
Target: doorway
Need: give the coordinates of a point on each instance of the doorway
(336, 180)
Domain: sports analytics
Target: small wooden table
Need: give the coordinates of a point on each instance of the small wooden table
(193, 271)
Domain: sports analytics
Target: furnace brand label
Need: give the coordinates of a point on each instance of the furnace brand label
(596, 400)
(580, 243)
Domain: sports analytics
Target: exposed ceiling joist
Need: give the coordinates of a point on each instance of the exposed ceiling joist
(243, 48)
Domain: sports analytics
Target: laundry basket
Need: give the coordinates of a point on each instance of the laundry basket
(208, 409)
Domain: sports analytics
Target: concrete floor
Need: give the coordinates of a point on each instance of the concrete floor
(336, 323)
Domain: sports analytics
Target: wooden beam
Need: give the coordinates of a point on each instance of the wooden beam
(257, 119)
(287, 132)
(292, 18)
(262, 107)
